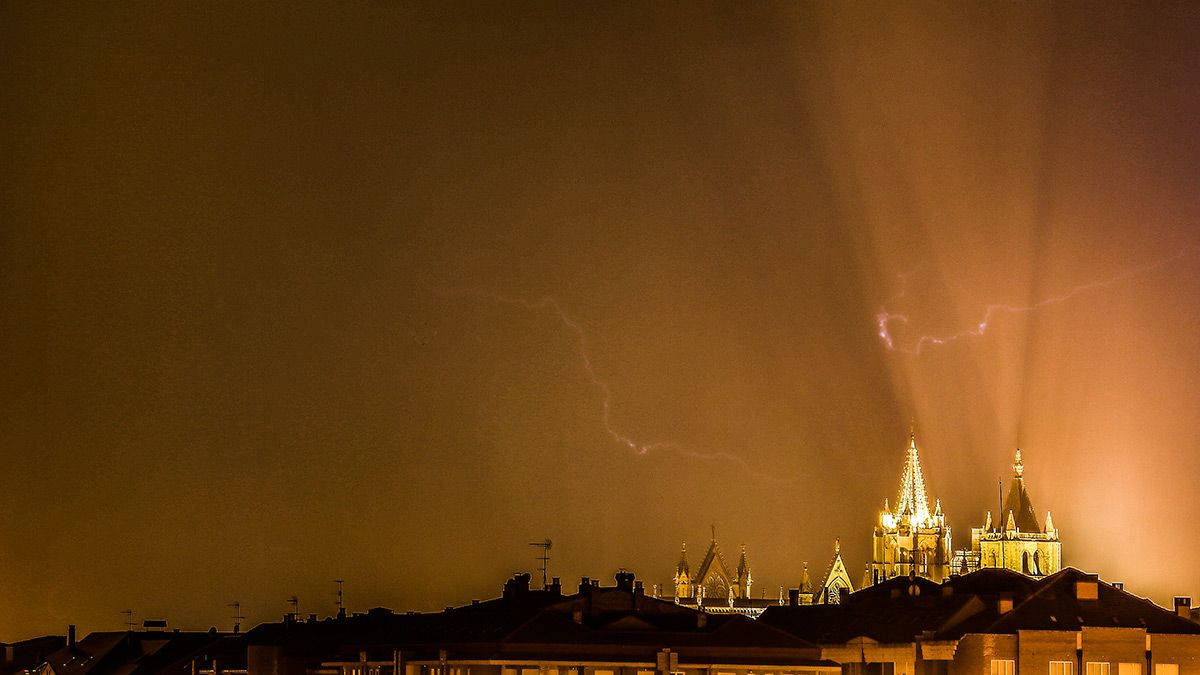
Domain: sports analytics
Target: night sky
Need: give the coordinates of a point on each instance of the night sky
(341, 291)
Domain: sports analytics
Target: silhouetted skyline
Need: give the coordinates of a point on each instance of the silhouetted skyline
(383, 293)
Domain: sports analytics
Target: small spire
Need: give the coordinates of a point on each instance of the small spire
(1049, 523)
(1018, 466)
(714, 532)
(837, 546)
(1012, 523)
(682, 569)
(987, 526)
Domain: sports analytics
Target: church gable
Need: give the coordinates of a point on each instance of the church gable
(836, 579)
(713, 575)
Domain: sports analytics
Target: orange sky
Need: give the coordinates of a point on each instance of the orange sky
(271, 281)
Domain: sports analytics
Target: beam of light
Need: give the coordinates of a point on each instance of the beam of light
(549, 305)
(885, 318)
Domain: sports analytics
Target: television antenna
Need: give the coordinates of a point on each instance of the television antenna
(295, 603)
(341, 607)
(237, 616)
(128, 619)
(544, 557)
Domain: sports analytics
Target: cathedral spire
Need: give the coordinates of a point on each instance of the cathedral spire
(912, 501)
(683, 567)
(1018, 466)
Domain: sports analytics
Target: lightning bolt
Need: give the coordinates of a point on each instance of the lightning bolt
(549, 305)
(884, 318)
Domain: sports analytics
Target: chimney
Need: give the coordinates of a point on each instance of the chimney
(517, 586)
(843, 594)
(1183, 606)
(1119, 585)
(625, 581)
(793, 597)
(639, 591)
(1005, 604)
(1087, 588)
(71, 631)
(585, 586)
(555, 586)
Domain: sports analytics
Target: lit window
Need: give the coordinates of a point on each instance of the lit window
(1062, 668)
(1129, 669)
(1166, 669)
(1003, 666)
(1097, 668)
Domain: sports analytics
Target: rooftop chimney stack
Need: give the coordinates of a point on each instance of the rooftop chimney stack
(517, 586)
(1183, 606)
(1005, 604)
(1087, 588)
(625, 581)
(71, 634)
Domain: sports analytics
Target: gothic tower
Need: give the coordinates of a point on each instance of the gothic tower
(683, 576)
(911, 539)
(1017, 541)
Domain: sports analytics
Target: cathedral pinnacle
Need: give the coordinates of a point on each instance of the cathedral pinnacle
(913, 501)
(683, 568)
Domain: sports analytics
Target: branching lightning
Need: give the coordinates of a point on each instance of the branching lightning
(885, 318)
(551, 306)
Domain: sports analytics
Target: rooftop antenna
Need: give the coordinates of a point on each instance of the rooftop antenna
(295, 603)
(544, 557)
(237, 616)
(128, 619)
(341, 607)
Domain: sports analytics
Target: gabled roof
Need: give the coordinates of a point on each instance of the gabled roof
(596, 624)
(902, 609)
(836, 574)
(894, 611)
(994, 581)
(1056, 606)
(131, 653)
(713, 563)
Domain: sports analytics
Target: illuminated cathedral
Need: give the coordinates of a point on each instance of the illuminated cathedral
(910, 539)
(714, 579)
(1017, 541)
